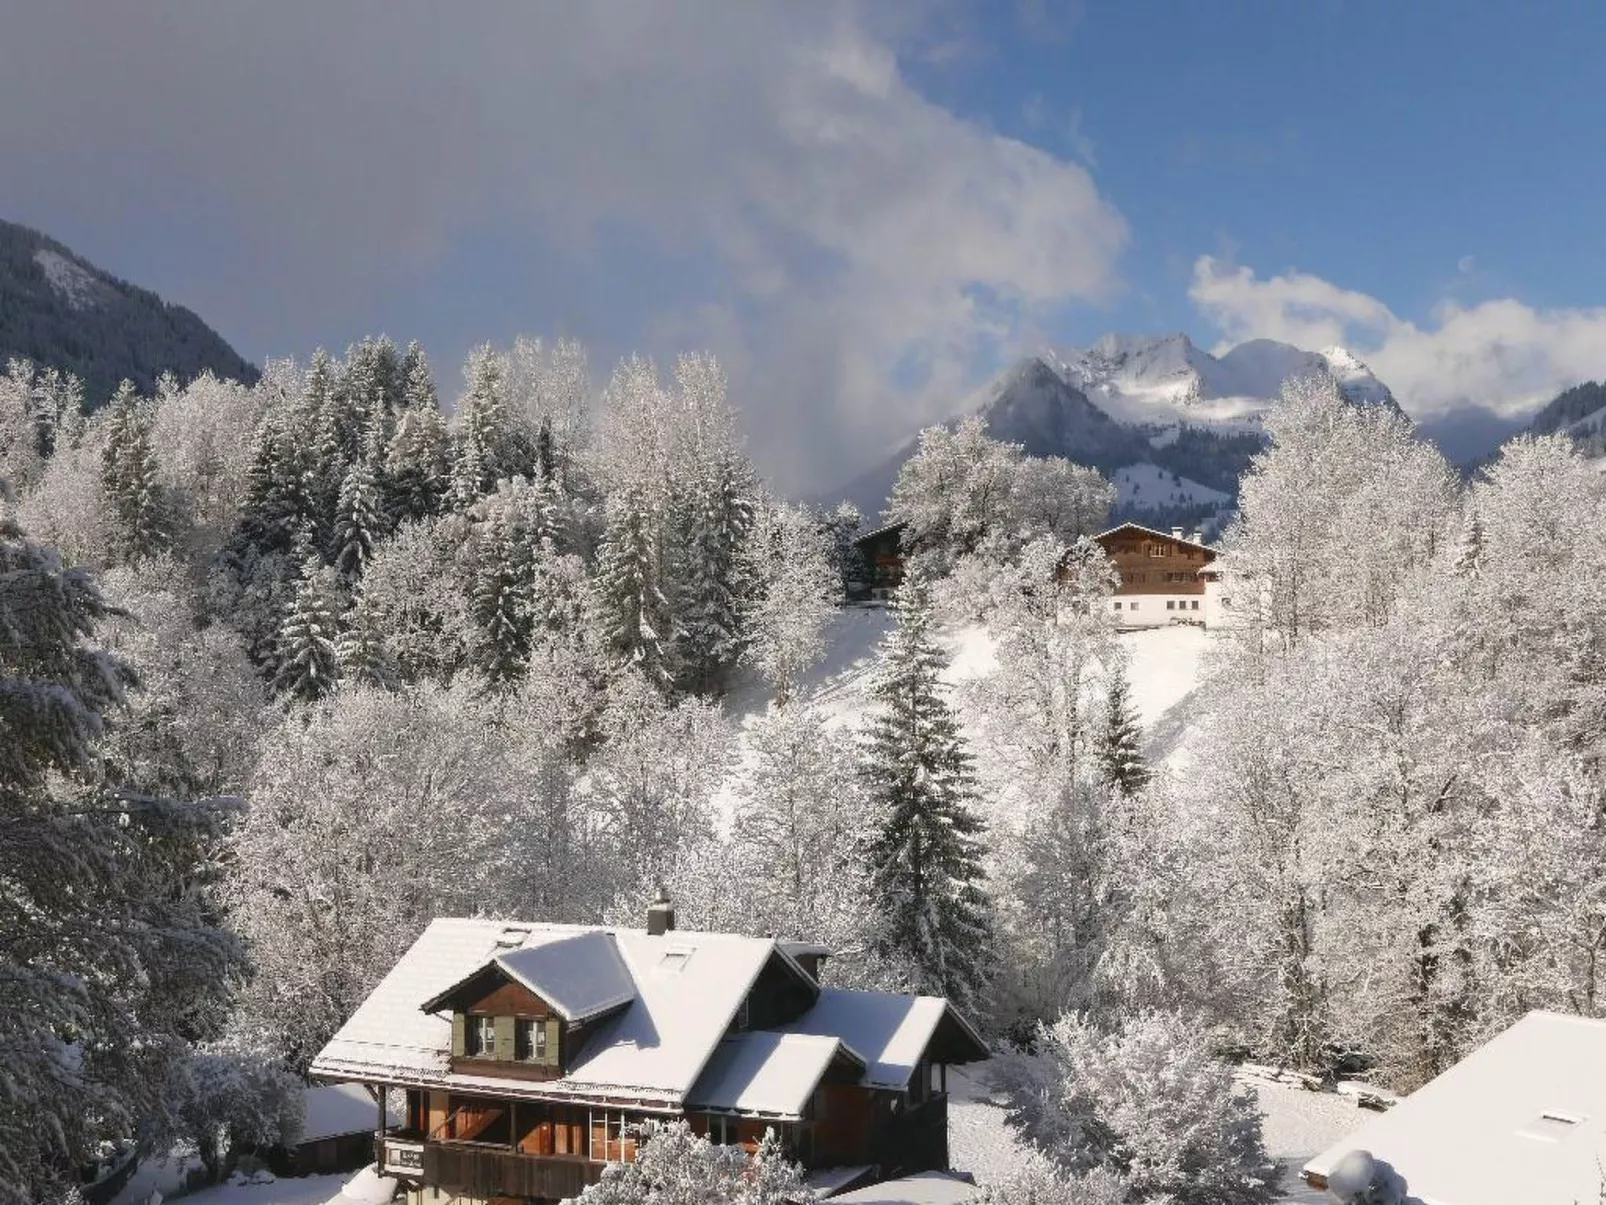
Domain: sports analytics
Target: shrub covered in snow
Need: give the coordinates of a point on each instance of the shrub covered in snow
(1147, 1101)
(227, 1099)
(1042, 1182)
(676, 1167)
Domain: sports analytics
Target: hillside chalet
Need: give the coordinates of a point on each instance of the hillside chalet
(1164, 578)
(881, 555)
(528, 1056)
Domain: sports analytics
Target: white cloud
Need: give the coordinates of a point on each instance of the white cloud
(823, 219)
(1502, 354)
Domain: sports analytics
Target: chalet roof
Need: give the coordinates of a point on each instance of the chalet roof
(768, 1073)
(686, 989)
(890, 1031)
(884, 529)
(923, 1188)
(338, 1109)
(1150, 531)
(1522, 1118)
(581, 975)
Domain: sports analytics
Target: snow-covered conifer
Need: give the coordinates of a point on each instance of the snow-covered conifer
(796, 592)
(1120, 747)
(925, 853)
(307, 659)
(110, 956)
(634, 612)
(360, 521)
(144, 511)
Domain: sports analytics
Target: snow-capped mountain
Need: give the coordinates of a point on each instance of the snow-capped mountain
(1172, 425)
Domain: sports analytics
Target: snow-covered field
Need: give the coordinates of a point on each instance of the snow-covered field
(1149, 485)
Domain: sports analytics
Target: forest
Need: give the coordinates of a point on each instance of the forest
(289, 668)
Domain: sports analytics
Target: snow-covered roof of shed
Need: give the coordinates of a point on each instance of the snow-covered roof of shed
(890, 1032)
(579, 974)
(768, 1073)
(1522, 1118)
(687, 988)
(338, 1109)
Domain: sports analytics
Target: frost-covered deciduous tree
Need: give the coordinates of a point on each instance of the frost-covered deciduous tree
(414, 590)
(797, 592)
(925, 852)
(955, 494)
(800, 829)
(110, 954)
(674, 1166)
(1093, 1099)
(1040, 1181)
(650, 782)
(370, 814)
(227, 1098)
(1055, 499)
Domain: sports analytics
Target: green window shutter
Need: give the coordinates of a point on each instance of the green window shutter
(552, 1030)
(459, 1035)
(504, 1037)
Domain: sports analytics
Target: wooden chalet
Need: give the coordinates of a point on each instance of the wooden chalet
(1164, 578)
(881, 551)
(529, 1055)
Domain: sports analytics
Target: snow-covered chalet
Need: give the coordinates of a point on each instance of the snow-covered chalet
(1164, 578)
(528, 1056)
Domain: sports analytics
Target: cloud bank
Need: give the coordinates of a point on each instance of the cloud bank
(1501, 354)
(762, 179)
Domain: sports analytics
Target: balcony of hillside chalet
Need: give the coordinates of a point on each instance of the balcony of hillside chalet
(499, 1148)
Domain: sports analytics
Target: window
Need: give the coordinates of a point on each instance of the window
(482, 1037)
(529, 1041)
(722, 1130)
(1156, 549)
(1194, 605)
(1169, 605)
(1134, 606)
(1117, 604)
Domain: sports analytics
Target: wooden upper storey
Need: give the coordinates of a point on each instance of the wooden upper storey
(1152, 562)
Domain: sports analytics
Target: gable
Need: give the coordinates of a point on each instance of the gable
(510, 999)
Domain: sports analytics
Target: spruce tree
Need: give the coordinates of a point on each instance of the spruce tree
(417, 465)
(501, 594)
(111, 960)
(143, 510)
(417, 382)
(306, 651)
(360, 521)
(925, 856)
(715, 523)
(1120, 747)
(482, 455)
(360, 648)
(635, 614)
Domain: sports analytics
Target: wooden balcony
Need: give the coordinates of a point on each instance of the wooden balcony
(487, 1172)
(481, 1170)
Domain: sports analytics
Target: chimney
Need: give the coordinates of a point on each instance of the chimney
(1176, 533)
(1197, 537)
(660, 914)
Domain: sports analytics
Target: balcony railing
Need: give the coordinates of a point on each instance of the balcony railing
(478, 1170)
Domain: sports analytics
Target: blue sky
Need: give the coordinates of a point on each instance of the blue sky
(864, 209)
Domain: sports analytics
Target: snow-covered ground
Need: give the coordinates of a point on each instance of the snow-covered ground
(1149, 485)
(1164, 666)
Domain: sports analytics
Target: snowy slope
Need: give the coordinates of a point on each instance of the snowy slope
(1148, 485)
(1163, 668)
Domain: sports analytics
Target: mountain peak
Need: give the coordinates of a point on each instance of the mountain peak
(60, 311)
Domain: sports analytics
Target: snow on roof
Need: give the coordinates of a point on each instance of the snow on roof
(891, 1032)
(926, 1188)
(1150, 531)
(579, 974)
(342, 1109)
(1522, 1118)
(687, 988)
(773, 1074)
(880, 531)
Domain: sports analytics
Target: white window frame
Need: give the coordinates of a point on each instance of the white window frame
(484, 1036)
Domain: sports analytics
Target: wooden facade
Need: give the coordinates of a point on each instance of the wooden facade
(1163, 577)
(882, 554)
